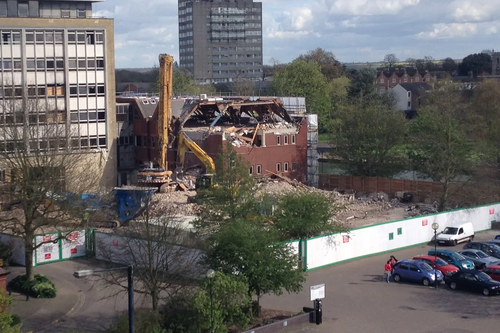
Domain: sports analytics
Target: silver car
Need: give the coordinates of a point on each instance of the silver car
(480, 259)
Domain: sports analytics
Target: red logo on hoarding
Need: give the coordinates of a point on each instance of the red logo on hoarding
(492, 211)
(345, 239)
(424, 223)
(47, 239)
(115, 243)
(48, 256)
(74, 250)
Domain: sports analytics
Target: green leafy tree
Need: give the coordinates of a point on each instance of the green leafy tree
(438, 144)
(183, 83)
(300, 216)
(6, 319)
(366, 135)
(449, 65)
(303, 78)
(232, 197)
(363, 83)
(252, 249)
(476, 64)
(329, 65)
(225, 299)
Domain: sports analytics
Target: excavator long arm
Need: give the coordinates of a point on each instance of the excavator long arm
(164, 107)
(186, 143)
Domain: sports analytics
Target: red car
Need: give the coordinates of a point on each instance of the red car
(443, 266)
(493, 271)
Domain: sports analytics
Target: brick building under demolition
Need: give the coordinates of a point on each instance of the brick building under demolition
(260, 129)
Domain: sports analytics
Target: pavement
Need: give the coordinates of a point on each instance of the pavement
(357, 300)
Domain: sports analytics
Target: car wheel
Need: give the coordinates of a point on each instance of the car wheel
(397, 277)
(455, 242)
(470, 239)
(486, 292)
(426, 282)
(453, 285)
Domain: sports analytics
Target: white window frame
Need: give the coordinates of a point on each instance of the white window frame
(278, 140)
(285, 167)
(293, 139)
(278, 167)
(259, 169)
(285, 139)
(251, 170)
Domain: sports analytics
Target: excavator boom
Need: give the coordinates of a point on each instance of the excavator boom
(186, 143)
(164, 107)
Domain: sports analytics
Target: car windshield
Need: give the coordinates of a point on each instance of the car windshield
(456, 256)
(495, 247)
(441, 262)
(483, 276)
(481, 254)
(425, 267)
(450, 231)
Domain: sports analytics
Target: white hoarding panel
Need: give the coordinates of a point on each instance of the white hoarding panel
(48, 251)
(73, 245)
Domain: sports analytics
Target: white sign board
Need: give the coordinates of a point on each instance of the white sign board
(49, 251)
(73, 245)
(317, 292)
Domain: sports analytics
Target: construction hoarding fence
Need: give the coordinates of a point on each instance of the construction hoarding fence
(51, 247)
(330, 249)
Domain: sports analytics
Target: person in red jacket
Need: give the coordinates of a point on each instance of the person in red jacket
(387, 269)
(393, 261)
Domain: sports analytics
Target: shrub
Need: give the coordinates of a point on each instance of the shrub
(40, 287)
(146, 321)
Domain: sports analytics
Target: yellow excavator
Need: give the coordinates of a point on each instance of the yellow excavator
(204, 181)
(161, 176)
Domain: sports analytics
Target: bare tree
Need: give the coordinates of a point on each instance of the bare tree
(390, 60)
(166, 257)
(40, 167)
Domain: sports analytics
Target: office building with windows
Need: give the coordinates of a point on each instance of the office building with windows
(57, 72)
(221, 40)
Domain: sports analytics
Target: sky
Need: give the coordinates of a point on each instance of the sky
(353, 30)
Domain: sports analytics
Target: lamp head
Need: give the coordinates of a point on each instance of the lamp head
(435, 226)
(210, 273)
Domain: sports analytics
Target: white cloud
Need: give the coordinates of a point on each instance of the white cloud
(475, 11)
(452, 30)
(369, 7)
(491, 30)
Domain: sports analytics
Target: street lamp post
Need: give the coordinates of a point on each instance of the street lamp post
(130, 288)
(435, 227)
(210, 276)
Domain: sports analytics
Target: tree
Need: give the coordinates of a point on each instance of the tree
(227, 296)
(232, 197)
(183, 83)
(164, 256)
(390, 60)
(449, 65)
(6, 319)
(420, 65)
(363, 84)
(438, 144)
(411, 62)
(430, 64)
(300, 216)
(366, 134)
(243, 87)
(45, 173)
(302, 78)
(251, 249)
(476, 64)
(329, 65)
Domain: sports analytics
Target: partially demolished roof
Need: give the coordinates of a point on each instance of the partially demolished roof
(239, 111)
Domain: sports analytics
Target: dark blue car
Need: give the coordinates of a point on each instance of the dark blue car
(416, 271)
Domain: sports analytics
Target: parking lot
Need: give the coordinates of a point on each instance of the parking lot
(359, 300)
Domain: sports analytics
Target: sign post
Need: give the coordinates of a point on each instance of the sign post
(317, 294)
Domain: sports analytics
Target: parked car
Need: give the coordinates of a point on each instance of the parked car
(440, 264)
(497, 237)
(474, 281)
(494, 241)
(452, 235)
(493, 272)
(479, 258)
(416, 271)
(488, 248)
(453, 257)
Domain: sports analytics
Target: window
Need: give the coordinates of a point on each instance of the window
(409, 94)
(293, 139)
(65, 13)
(30, 36)
(393, 80)
(22, 9)
(409, 104)
(251, 170)
(413, 268)
(294, 166)
(400, 231)
(285, 137)
(81, 13)
(391, 236)
(381, 80)
(3, 8)
(278, 140)
(71, 37)
(6, 38)
(285, 167)
(461, 231)
(259, 169)
(278, 167)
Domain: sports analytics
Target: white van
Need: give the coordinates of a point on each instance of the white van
(461, 232)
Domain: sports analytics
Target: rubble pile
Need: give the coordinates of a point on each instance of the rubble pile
(176, 201)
